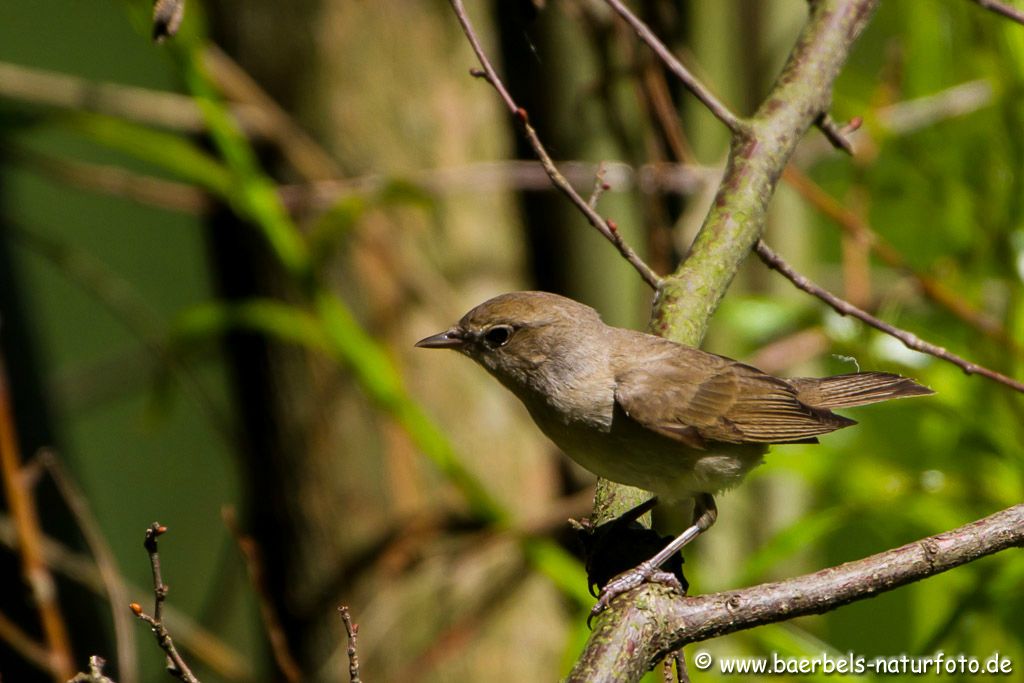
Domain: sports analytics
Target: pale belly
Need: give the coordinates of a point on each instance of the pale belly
(629, 454)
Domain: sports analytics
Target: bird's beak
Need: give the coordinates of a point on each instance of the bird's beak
(450, 339)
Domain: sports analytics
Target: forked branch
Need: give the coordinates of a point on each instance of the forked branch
(669, 622)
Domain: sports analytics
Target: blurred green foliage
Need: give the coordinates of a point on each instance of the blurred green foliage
(948, 194)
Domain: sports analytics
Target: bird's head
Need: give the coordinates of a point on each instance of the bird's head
(520, 337)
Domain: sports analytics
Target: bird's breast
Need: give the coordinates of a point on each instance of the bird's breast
(627, 453)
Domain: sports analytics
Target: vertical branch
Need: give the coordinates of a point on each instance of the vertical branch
(34, 569)
(352, 632)
(175, 663)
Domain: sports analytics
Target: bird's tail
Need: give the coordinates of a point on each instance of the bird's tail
(855, 389)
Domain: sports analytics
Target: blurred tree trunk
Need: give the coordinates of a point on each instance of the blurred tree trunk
(385, 87)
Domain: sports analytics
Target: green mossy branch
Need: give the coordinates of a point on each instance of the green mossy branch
(759, 152)
(802, 94)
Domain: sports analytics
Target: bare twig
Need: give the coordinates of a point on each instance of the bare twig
(837, 134)
(352, 632)
(674, 668)
(167, 17)
(520, 175)
(714, 105)
(698, 618)
(268, 613)
(801, 93)
(910, 340)
(95, 674)
(153, 107)
(600, 186)
(204, 645)
(907, 116)
(1002, 8)
(34, 569)
(175, 663)
(106, 562)
(935, 290)
(605, 226)
(113, 180)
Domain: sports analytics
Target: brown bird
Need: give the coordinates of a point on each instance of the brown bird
(645, 411)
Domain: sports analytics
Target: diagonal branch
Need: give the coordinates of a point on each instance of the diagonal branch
(800, 97)
(843, 307)
(670, 622)
(859, 230)
(34, 569)
(1003, 9)
(605, 226)
(801, 94)
(701, 91)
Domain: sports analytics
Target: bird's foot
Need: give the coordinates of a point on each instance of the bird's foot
(645, 572)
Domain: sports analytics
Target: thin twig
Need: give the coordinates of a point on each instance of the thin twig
(837, 134)
(834, 133)
(95, 675)
(521, 175)
(35, 571)
(144, 105)
(714, 105)
(935, 290)
(600, 186)
(204, 645)
(167, 17)
(159, 587)
(605, 226)
(268, 613)
(113, 180)
(352, 632)
(674, 668)
(910, 340)
(673, 622)
(1003, 9)
(106, 562)
(175, 663)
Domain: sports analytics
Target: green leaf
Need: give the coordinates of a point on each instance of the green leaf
(171, 152)
(279, 321)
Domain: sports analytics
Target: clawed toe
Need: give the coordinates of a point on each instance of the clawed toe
(627, 581)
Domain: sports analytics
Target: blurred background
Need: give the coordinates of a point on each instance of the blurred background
(217, 252)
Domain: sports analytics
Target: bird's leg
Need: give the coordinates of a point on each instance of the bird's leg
(705, 512)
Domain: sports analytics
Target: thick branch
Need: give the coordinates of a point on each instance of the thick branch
(662, 622)
(760, 151)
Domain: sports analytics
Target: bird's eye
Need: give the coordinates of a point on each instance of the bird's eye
(497, 336)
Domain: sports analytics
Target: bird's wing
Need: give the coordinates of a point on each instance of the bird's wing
(694, 397)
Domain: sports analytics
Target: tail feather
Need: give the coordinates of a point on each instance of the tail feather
(855, 389)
